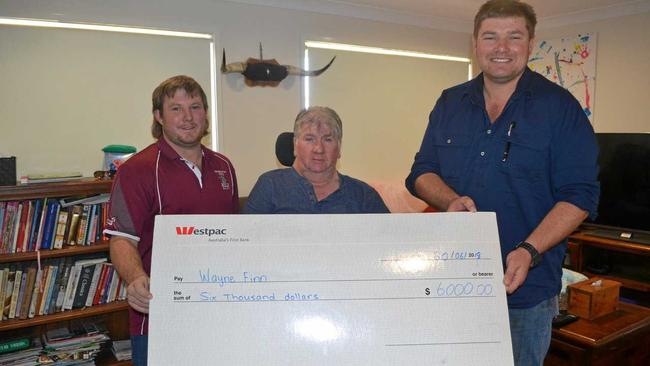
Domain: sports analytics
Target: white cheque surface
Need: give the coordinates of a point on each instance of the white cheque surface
(400, 289)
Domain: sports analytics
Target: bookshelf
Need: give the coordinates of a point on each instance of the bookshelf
(114, 314)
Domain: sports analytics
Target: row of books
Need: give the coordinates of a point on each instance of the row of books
(50, 223)
(60, 284)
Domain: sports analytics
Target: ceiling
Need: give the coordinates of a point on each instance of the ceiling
(465, 9)
(457, 15)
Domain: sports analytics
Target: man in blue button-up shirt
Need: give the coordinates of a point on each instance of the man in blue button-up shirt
(512, 142)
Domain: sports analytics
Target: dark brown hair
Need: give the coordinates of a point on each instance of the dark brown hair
(167, 89)
(506, 9)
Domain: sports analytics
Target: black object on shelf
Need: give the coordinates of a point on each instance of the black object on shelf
(632, 236)
(563, 319)
(8, 171)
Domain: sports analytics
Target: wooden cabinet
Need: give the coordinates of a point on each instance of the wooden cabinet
(622, 261)
(114, 314)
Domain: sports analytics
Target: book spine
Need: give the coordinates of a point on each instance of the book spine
(54, 225)
(100, 284)
(28, 227)
(3, 208)
(29, 291)
(67, 266)
(42, 291)
(51, 304)
(93, 284)
(14, 345)
(41, 225)
(98, 222)
(121, 292)
(107, 284)
(73, 228)
(9, 290)
(83, 225)
(20, 237)
(115, 280)
(50, 291)
(75, 272)
(59, 237)
(48, 228)
(84, 285)
(3, 282)
(7, 226)
(36, 219)
(89, 225)
(92, 229)
(105, 209)
(36, 291)
(14, 294)
(21, 294)
(16, 228)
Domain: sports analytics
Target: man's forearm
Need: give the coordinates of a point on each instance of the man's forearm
(559, 223)
(126, 259)
(434, 191)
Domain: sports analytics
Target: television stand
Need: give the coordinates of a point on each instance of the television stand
(628, 236)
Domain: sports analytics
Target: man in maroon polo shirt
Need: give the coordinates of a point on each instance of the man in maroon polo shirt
(175, 175)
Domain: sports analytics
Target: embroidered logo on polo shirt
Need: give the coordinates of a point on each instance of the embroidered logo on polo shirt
(225, 184)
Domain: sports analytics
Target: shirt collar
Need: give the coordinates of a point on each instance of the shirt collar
(169, 153)
(307, 184)
(474, 88)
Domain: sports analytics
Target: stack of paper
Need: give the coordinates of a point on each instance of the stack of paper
(50, 177)
(122, 350)
(77, 345)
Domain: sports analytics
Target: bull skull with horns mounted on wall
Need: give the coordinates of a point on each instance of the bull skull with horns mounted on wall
(261, 72)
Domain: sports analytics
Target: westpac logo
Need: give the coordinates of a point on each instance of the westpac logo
(191, 230)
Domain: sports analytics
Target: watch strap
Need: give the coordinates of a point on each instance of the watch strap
(534, 254)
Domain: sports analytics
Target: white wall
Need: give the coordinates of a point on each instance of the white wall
(622, 94)
(250, 118)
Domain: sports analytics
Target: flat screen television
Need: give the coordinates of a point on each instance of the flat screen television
(624, 207)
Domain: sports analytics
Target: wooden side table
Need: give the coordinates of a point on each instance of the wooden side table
(619, 338)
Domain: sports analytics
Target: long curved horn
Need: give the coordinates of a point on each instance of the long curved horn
(293, 70)
(237, 67)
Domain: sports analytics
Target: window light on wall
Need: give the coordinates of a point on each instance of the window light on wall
(375, 50)
(136, 30)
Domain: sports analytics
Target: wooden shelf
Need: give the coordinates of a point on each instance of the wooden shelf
(61, 189)
(631, 284)
(66, 251)
(64, 315)
(612, 244)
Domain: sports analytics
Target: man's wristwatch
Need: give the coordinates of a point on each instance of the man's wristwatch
(534, 254)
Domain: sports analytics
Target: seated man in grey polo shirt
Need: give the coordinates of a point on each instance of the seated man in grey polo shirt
(313, 185)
